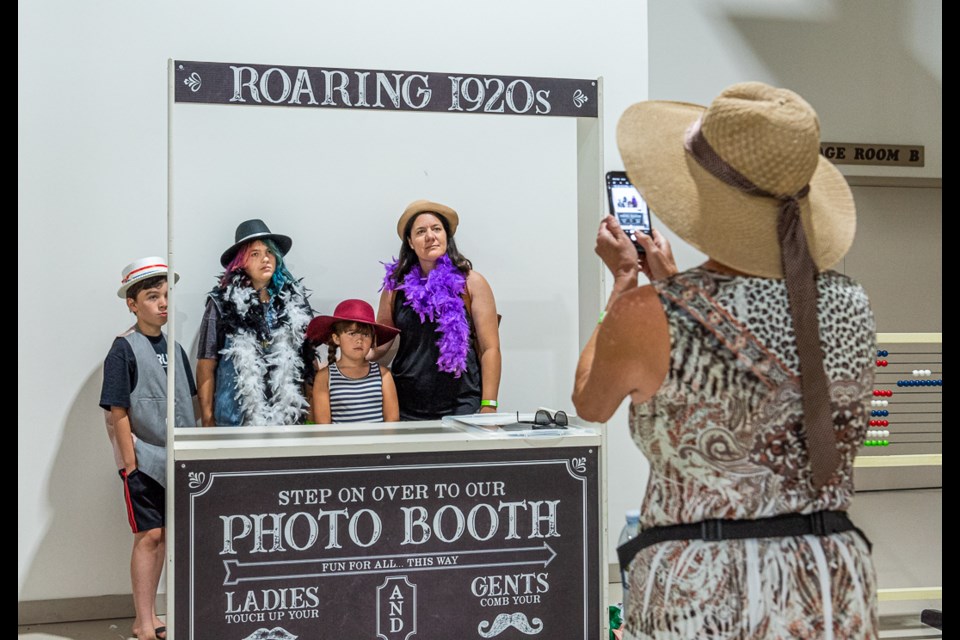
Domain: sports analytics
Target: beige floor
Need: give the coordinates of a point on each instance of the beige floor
(88, 630)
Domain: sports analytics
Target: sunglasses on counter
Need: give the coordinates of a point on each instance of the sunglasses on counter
(543, 420)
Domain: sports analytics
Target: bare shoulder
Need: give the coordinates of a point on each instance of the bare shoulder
(637, 305)
(387, 296)
(477, 284)
(635, 335)
(635, 325)
(385, 307)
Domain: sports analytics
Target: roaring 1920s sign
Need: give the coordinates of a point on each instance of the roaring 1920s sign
(382, 90)
(392, 546)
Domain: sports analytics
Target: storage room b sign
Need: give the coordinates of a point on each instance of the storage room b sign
(382, 90)
(398, 547)
(880, 155)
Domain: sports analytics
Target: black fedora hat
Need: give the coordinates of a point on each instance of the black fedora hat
(255, 229)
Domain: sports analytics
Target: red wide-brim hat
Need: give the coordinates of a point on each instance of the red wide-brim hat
(321, 327)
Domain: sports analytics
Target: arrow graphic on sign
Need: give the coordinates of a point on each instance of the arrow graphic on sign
(238, 571)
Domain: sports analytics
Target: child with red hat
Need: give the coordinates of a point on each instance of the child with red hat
(351, 388)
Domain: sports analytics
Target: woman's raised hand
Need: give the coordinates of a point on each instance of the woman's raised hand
(617, 252)
(657, 262)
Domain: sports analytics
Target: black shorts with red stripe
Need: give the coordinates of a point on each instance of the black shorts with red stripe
(145, 499)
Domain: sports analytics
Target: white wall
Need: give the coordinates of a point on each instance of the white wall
(92, 196)
(871, 68)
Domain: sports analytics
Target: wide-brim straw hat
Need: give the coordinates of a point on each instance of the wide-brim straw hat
(254, 229)
(140, 270)
(417, 207)
(321, 327)
(772, 137)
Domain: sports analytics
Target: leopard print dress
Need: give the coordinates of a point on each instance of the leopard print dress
(725, 439)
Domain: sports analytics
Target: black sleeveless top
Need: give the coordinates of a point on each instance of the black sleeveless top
(424, 392)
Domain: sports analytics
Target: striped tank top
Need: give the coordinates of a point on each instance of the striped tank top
(356, 399)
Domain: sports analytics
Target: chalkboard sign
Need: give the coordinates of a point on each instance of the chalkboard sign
(393, 546)
(382, 90)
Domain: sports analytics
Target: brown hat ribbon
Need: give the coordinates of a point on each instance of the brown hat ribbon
(800, 273)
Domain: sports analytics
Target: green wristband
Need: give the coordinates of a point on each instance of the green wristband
(489, 403)
(603, 314)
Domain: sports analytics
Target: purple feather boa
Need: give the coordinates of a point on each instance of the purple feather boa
(438, 297)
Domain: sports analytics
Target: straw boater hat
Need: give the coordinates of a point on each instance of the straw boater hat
(254, 230)
(425, 206)
(771, 137)
(140, 270)
(321, 327)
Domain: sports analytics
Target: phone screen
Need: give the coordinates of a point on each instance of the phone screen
(627, 205)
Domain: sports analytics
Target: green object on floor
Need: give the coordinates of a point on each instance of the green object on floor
(616, 619)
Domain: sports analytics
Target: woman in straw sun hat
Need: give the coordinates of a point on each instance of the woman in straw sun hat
(748, 375)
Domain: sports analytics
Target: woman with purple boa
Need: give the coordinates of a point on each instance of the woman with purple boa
(448, 359)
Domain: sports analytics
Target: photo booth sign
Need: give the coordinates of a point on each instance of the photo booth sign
(382, 90)
(393, 546)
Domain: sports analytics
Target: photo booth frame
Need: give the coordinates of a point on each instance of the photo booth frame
(262, 85)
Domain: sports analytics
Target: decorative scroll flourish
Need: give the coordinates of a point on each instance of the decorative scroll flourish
(193, 81)
(196, 479)
(579, 465)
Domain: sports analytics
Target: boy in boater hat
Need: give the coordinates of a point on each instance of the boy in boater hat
(134, 397)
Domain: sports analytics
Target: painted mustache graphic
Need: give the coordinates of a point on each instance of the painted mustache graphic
(507, 620)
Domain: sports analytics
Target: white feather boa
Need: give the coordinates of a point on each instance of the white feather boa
(272, 369)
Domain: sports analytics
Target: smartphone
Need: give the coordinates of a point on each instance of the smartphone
(628, 206)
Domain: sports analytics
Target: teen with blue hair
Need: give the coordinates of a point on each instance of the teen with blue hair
(251, 365)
